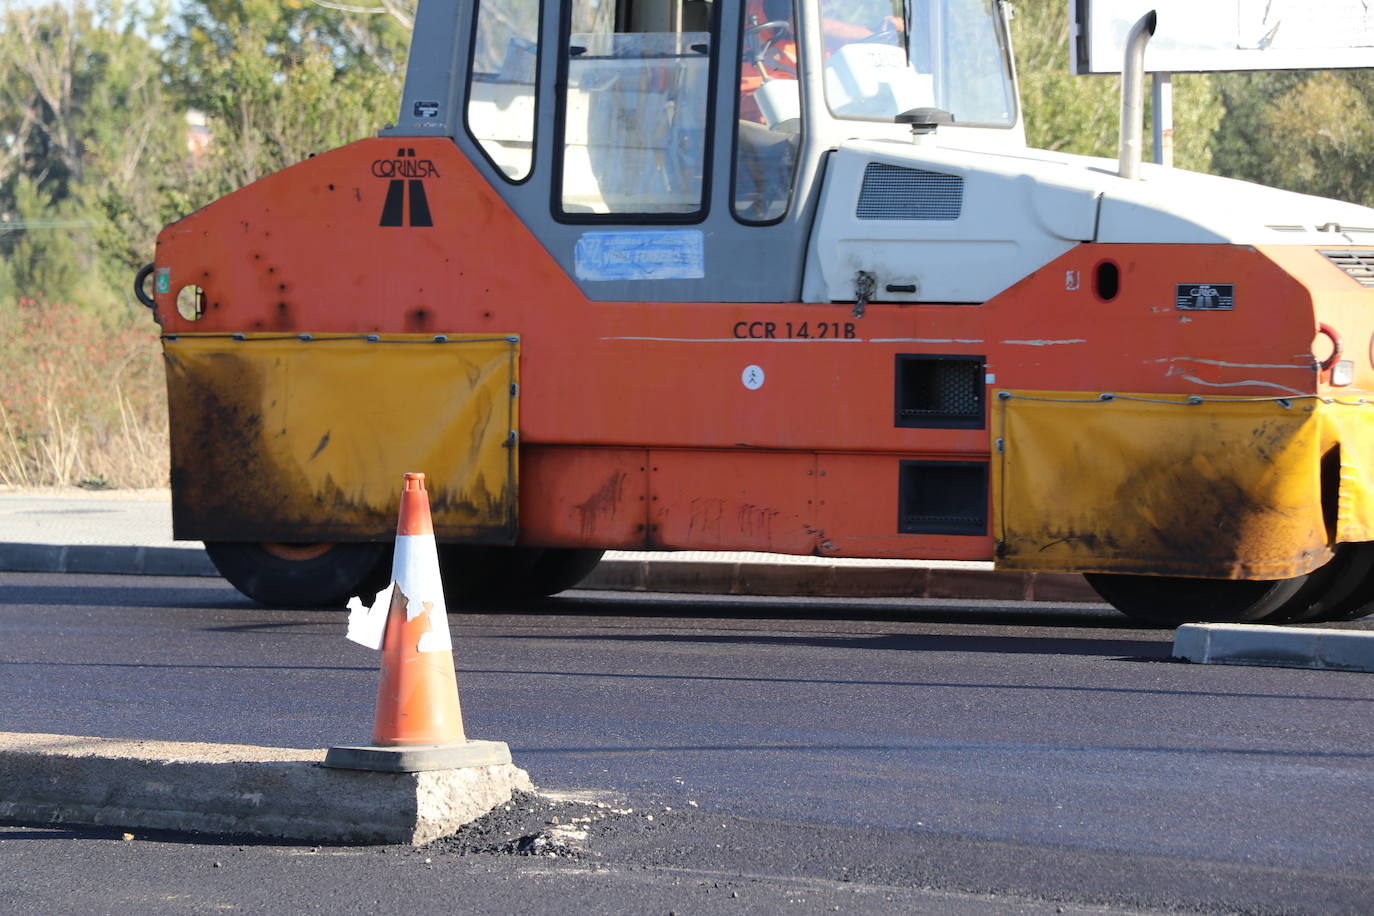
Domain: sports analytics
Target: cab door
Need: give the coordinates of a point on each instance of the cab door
(629, 139)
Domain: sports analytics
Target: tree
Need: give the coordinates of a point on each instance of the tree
(89, 138)
(1305, 131)
(1081, 114)
(93, 99)
(280, 80)
(47, 252)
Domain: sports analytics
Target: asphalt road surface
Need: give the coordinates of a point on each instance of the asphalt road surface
(727, 755)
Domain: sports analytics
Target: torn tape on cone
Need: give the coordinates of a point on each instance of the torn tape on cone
(415, 575)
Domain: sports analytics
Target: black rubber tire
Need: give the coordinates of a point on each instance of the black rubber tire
(328, 580)
(1358, 601)
(1169, 601)
(504, 575)
(1333, 589)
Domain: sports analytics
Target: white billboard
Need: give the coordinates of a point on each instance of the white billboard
(1207, 35)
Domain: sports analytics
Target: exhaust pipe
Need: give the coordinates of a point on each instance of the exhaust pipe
(1133, 95)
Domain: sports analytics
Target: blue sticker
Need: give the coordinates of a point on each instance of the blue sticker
(678, 254)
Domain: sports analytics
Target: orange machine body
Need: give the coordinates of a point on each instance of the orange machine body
(636, 426)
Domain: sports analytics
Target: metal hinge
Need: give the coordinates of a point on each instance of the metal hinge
(864, 285)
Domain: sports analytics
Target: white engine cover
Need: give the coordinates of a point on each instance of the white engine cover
(1008, 223)
(958, 225)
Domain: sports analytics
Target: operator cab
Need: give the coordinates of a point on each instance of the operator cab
(671, 150)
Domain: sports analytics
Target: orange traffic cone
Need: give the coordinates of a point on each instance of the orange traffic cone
(417, 699)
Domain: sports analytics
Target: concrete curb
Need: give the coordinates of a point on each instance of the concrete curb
(834, 581)
(238, 790)
(707, 577)
(106, 558)
(1282, 647)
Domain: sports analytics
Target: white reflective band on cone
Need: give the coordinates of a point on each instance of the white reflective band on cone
(415, 573)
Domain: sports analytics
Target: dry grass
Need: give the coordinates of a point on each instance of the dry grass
(83, 401)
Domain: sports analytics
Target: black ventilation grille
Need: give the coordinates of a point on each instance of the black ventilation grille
(893, 192)
(1358, 264)
(943, 497)
(939, 392)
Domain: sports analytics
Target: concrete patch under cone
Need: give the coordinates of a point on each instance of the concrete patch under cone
(238, 789)
(1281, 647)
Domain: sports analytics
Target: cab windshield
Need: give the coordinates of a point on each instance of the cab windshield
(884, 57)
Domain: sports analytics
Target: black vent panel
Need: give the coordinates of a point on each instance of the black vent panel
(894, 192)
(1358, 264)
(939, 392)
(943, 497)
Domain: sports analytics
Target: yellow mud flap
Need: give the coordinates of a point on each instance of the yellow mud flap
(306, 438)
(1216, 487)
(1350, 426)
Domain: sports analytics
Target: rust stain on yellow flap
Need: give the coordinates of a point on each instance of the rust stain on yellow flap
(1222, 488)
(291, 439)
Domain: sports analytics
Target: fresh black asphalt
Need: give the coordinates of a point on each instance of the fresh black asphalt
(954, 757)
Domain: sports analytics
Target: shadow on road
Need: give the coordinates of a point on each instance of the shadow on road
(913, 610)
(1293, 696)
(907, 748)
(147, 594)
(152, 592)
(1142, 649)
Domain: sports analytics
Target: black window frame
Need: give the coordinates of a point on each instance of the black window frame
(691, 218)
(538, 93)
(734, 144)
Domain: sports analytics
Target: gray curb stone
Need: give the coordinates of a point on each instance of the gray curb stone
(102, 558)
(238, 790)
(1282, 647)
(835, 581)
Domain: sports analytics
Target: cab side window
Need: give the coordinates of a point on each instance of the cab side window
(768, 119)
(635, 113)
(500, 110)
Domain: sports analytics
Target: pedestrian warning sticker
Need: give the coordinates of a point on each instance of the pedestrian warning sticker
(407, 174)
(1205, 296)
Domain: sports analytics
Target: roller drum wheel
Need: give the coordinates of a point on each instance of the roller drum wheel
(505, 575)
(303, 575)
(1355, 602)
(1332, 589)
(1169, 601)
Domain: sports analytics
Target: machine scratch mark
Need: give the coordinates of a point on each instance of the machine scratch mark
(1197, 381)
(743, 339)
(1219, 362)
(928, 340)
(604, 502)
